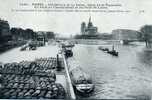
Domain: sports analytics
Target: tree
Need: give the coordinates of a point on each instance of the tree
(146, 31)
(17, 32)
(30, 34)
(24, 34)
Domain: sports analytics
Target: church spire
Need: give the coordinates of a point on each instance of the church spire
(90, 23)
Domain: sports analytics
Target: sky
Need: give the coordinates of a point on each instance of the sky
(67, 23)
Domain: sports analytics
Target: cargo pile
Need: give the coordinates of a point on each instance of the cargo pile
(30, 80)
(47, 63)
(50, 63)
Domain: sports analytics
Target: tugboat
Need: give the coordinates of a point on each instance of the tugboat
(113, 52)
(81, 81)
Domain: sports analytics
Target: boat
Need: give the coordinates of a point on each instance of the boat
(23, 48)
(81, 81)
(33, 48)
(103, 49)
(67, 45)
(113, 52)
(68, 53)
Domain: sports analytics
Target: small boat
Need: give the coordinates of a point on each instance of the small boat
(23, 48)
(81, 81)
(33, 48)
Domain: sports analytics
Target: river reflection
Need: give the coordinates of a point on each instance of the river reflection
(123, 77)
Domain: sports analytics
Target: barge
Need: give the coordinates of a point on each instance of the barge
(68, 53)
(67, 45)
(81, 81)
(112, 52)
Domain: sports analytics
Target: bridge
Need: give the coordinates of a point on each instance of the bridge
(99, 41)
(127, 41)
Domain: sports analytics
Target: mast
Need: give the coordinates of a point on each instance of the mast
(90, 19)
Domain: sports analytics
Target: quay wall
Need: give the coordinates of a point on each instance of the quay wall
(71, 90)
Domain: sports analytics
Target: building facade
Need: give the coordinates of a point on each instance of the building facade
(125, 34)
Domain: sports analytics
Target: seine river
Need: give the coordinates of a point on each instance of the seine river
(124, 77)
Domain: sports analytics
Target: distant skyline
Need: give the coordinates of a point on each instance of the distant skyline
(70, 23)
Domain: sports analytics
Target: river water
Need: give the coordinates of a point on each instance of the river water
(125, 77)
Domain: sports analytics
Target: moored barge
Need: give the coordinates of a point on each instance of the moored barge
(81, 81)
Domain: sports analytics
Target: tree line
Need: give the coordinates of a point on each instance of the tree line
(19, 33)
